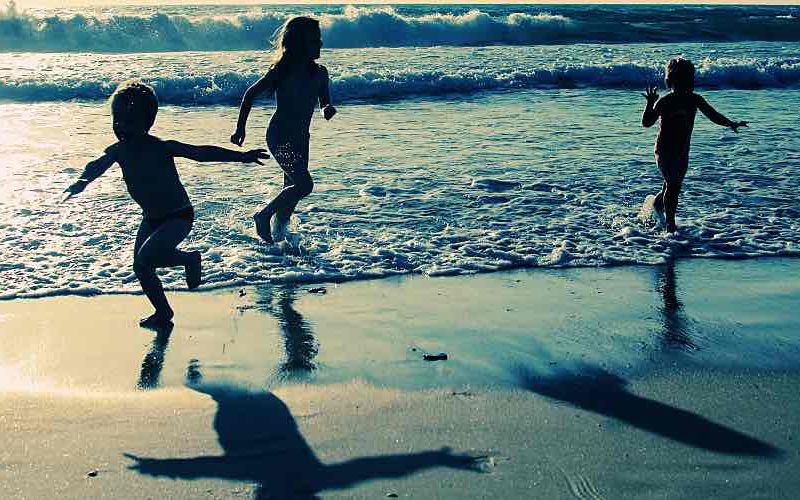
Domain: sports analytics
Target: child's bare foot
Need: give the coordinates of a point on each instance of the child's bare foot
(158, 321)
(658, 203)
(262, 227)
(194, 271)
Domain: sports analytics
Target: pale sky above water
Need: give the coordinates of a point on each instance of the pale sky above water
(22, 4)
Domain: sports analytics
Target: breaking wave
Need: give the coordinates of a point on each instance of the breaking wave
(388, 27)
(227, 88)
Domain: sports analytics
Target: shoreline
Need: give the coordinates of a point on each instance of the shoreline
(223, 286)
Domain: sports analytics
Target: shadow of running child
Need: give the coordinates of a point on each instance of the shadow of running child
(263, 444)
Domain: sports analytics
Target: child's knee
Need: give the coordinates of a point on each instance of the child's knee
(305, 187)
(141, 264)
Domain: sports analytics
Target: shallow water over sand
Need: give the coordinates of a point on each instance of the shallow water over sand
(436, 186)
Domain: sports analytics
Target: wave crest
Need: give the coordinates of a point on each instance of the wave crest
(385, 27)
(227, 88)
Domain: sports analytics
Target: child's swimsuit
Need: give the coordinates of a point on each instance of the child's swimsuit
(185, 213)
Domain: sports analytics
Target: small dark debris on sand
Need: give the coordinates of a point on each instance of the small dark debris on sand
(466, 394)
(435, 357)
(242, 293)
(320, 290)
(92, 473)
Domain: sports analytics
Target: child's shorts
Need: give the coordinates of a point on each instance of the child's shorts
(186, 213)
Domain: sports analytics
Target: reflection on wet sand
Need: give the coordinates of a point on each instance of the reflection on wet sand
(153, 361)
(676, 327)
(300, 346)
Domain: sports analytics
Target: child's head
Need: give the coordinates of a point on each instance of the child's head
(679, 75)
(133, 109)
(298, 40)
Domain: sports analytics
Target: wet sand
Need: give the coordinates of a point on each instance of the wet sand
(634, 382)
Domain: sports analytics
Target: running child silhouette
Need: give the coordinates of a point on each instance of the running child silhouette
(148, 168)
(676, 111)
(299, 83)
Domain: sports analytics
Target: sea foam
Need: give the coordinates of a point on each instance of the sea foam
(389, 27)
(227, 88)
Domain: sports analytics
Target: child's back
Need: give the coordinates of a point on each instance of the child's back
(677, 112)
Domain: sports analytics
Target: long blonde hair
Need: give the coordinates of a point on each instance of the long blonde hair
(289, 39)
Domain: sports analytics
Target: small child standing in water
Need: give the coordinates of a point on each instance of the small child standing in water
(148, 168)
(299, 83)
(677, 111)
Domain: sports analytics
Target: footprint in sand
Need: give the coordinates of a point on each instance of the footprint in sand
(581, 487)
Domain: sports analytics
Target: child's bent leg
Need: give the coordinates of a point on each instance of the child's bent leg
(671, 205)
(159, 250)
(283, 204)
(673, 171)
(297, 184)
(298, 175)
(283, 214)
(658, 202)
(302, 185)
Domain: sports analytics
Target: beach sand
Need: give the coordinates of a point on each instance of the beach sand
(676, 381)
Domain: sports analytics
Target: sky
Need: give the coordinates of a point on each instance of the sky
(22, 4)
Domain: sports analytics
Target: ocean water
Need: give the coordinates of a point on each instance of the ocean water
(469, 139)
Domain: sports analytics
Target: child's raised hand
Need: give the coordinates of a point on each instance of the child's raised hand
(735, 126)
(238, 137)
(651, 94)
(328, 111)
(255, 156)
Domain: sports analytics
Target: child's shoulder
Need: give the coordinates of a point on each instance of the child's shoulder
(667, 98)
(321, 70)
(697, 98)
(112, 150)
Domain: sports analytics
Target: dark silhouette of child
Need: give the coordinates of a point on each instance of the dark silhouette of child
(299, 83)
(148, 168)
(676, 111)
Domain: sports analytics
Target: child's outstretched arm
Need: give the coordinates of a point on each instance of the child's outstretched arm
(715, 116)
(93, 170)
(215, 153)
(328, 111)
(651, 111)
(265, 84)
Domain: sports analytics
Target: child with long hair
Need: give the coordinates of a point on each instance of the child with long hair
(676, 111)
(299, 83)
